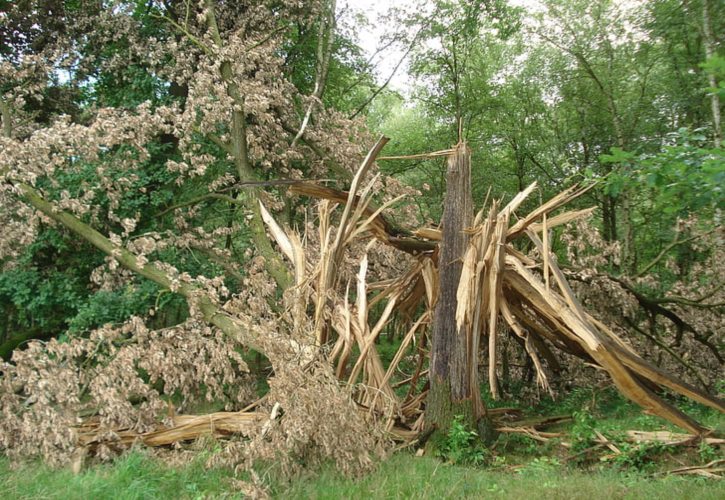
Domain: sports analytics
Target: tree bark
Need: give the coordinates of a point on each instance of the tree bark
(452, 391)
(6, 118)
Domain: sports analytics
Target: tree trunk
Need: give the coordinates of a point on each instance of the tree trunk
(452, 391)
(239, 150)
(707, 39)
(609, 218)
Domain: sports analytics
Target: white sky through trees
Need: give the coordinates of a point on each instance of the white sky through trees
(369, 37)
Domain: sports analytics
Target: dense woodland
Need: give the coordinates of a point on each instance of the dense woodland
(162, 163)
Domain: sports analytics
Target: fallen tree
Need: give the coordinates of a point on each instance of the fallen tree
(332, 324)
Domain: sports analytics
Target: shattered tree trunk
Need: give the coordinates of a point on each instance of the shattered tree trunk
(453, 390)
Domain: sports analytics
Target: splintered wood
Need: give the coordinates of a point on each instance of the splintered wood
(498, 285)
(181, 428)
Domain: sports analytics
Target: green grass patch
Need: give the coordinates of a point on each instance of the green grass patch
(405, 476)
(136, 475)
(139, 476)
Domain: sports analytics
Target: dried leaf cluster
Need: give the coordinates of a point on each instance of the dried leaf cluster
(123, 378)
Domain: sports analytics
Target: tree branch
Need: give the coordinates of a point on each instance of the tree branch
(240, 328)
(654, 308)
(669, 350)
(240, 152)
(669, 247)
(390, 77)
(324, 52)
(199, 199)
(186, 33)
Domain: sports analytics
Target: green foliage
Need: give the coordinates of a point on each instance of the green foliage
(38, 297)
(118, 305)
(517, 444)
(639, 457)
(462, 445)
(132, 87)
(715, 65)
(575, 399)
(682, 181)
(583, 432)
(47, 292)
(708, 452)
(47, 284)
(684, 177)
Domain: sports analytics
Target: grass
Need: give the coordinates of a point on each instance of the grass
(405, 476)
(139, 476)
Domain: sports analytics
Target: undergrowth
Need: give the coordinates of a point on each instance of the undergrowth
(515, 466)
(462, 445)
